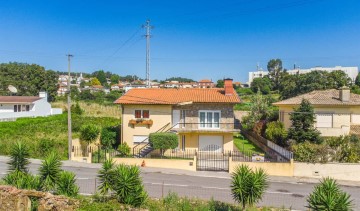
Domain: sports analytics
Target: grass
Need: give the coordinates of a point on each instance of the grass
(244, 144)
(43, 134)
(171, 202)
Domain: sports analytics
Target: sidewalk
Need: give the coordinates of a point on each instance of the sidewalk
(224, 175)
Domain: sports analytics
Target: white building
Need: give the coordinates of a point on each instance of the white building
(13, 107)
(352, 72)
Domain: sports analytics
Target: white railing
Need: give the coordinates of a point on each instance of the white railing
(285, 153)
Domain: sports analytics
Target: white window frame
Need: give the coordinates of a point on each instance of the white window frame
(324, 114)
(212, 122)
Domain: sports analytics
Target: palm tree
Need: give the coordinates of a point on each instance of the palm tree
(248, 186)
(19, 157)
(106, 174)
(50, 171)
(328, 196)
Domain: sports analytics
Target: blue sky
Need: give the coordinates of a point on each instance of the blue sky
(195, 39)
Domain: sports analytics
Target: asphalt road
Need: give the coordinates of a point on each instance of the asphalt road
(279, 194)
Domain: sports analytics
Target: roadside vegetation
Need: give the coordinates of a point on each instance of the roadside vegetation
(44, 134)
(245, 145)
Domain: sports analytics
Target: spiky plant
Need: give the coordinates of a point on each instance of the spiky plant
(128, 185)
(248, 186)
(50, 171)
(328, 196)
(19, 157)
(66, 184)
(106, 176)
(23, 180)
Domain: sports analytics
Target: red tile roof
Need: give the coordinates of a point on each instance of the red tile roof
(175, 96)
(18, 99)
(205, 81)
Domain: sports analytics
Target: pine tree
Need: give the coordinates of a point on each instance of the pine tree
(303, 119)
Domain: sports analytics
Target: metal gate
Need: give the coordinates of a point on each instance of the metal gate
(212, 161)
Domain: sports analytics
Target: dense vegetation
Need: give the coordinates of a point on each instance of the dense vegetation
(43, 134)
(29, 79)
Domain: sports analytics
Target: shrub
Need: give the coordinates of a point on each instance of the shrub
(76, 109)
(23, 180)
(89, 133)
(19, 157)
(66, 184)
(163, 141)
(328, 196)
(50, 171)
(276, 132)
(106, 177)
(124, 149)
(45, 146)
(128, 185)
(310, 153)
(248, 186)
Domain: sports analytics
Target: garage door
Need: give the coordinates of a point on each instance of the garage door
(211, 143)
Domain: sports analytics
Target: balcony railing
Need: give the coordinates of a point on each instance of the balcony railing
(230, 127)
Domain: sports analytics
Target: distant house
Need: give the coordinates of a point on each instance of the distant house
(206, 83)
(96, 88)
(13, 107)
(337, 112)
(202, 118)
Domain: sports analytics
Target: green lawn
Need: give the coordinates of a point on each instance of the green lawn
(244, 144)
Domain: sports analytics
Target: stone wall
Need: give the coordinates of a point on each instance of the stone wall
(13, 199)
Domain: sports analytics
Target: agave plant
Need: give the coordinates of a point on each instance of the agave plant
(19, 157)
(106, 176)
(50, 171)
(23, 180)
(128, 185)
(66, 184)
(248, 186)
(328, 196)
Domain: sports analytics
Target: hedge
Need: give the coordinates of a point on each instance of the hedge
(163, 140)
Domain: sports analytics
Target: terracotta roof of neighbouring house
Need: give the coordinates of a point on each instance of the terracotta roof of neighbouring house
(18, 99)
(175, 96)
(205, 81)
(322, 97)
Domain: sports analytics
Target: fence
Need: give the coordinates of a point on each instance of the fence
(170, 154)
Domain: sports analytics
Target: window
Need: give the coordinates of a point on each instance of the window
(27, 107)
(324, 120)
(140, 139)
(183, 142)
(17, 108)
(142, 114)
(209, 119)
(137, 113)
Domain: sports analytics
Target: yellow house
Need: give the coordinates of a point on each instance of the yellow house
(337, 112)
(203, 118)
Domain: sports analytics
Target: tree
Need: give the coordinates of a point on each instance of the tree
(264, 85)
(259, 110)
(89, 133)
(49, 171)
(248, 186)
(19, 157)
(101, 76)
(115, 78)
(357, 80)
(303, 119)
(107, 137)
(276, 71)
(76, 109)
(163, 141)
(95, 82)
(220, 84)
(327, 196)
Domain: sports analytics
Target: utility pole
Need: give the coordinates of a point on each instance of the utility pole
(69, 108)
(148, 27)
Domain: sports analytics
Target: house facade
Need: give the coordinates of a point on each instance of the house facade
(202, 118)
(337, 112)
(13, 107)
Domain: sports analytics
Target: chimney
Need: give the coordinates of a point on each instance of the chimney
(344, 94)
(228, 85)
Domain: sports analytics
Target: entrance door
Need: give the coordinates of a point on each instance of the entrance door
(210, 143)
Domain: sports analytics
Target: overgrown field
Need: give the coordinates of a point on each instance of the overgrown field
(93, 109)
(43, 134)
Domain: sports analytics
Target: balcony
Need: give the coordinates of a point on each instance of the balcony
(205, 127)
